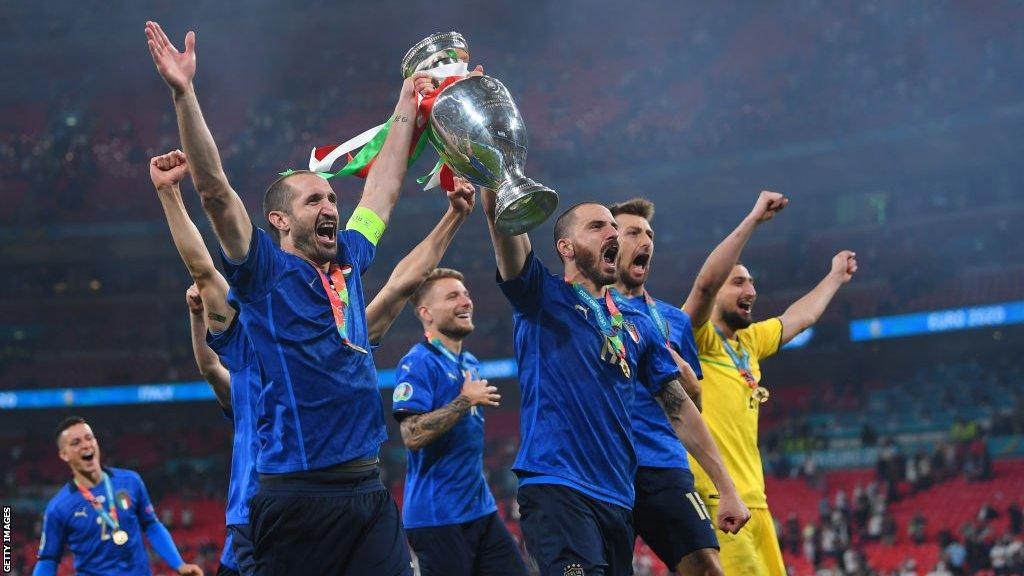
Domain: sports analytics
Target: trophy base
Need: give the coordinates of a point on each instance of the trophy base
(522, 206)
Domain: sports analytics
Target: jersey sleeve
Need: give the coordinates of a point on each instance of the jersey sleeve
(526, 291)
(656, 365)
(765, 337)
(360, 249)
(143, 506)
(414, 387)
(683, 342)
(229, 345)
(51, 542)
(254, 276)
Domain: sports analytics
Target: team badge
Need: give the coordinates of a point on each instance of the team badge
(632, 331)
(124, 500)
(574, 569)
(402, 392)
(346, 270)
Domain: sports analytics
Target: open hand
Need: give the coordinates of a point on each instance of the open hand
(768, 205)
(479, 392)
(168, 170)
(176, 68)
(463, 198)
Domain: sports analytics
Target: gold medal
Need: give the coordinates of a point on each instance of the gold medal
(761, 394)
(120, 537)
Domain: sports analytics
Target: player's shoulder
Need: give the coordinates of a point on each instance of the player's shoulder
(762, 329)
(421, 355)
(125, 475)
(672, 313)
(60, 501)
(469, 358)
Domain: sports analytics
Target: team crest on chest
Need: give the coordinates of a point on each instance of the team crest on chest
(124, 500)
(346, 270)
(574, 569)
(632, 331)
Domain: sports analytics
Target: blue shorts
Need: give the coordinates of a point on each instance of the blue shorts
(336, 528)
(669, 514)
(571, 534)
(241, 547)
(481, 546)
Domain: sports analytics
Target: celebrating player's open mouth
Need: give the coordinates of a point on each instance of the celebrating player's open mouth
(609, 251)
(326, 231)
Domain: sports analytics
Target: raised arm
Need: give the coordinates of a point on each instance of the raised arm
(215, 374)
(384, 182)
(720, 262)
(418, 430)
(694, 434)
(412, 270)
(230, 221)
(167, 172)
(510, 252)
(805, 312)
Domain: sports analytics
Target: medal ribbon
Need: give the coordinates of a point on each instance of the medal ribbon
(610, 327)
(663, 324)
(435, 341)
(337, 293)
(110, 517)
(741, 361)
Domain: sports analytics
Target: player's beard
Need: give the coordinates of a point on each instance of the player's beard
(589, 264)
(304, 240)
(734, 320)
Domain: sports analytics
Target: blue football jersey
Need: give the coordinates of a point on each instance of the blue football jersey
(444, 481)
(237, 355)
(319, 404)
(576, 417)
(657, 445)
(72, 521)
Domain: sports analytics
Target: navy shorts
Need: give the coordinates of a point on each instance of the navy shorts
(223, 570)
(482, 546)
(337, 528)
(241, 545)
(669, 514)
(571, 534)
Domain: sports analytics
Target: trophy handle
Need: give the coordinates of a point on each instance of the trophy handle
(522, 205)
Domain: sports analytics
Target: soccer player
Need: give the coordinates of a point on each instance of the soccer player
(731, 347)
(321, 504)
(582, 352)
(449, 513)
(101, 515)
(224, 354)
(669, 514)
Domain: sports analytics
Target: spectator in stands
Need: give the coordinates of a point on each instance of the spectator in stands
(987, 512)
(956, 556)
(940, 570)
(861, 506)
(810, 544)
(888, 529)
(908, 568)
(1016, 519)
(915, 528)
(977, 462)
(791, 534)
(875, 525)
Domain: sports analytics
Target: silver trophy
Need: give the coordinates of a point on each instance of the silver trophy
(477, 130)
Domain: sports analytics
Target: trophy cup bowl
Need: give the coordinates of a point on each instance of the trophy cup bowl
(477, 130)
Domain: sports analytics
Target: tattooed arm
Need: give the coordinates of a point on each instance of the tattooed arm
(695, 436)
(418, 430)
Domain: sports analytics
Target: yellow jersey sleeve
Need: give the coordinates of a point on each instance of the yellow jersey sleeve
(764, 338)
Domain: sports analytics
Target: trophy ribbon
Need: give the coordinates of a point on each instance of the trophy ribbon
(370, 142)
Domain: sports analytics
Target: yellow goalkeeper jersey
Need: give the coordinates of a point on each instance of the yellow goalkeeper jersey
(730, 407)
